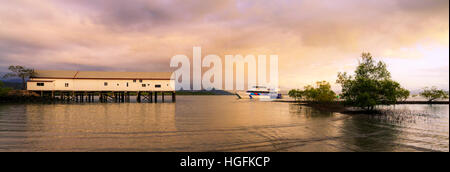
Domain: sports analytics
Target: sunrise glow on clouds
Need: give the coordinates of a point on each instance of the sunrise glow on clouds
(314, 39)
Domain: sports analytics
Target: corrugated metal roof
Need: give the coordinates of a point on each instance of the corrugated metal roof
(54, 74)
(100, 74)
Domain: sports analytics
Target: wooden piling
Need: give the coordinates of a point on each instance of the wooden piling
(150, 96)
(138, 98)
(105, 96)
(173, 97)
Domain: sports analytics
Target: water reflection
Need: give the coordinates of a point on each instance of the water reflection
(364, 134)
(217, 123)
(96, 127)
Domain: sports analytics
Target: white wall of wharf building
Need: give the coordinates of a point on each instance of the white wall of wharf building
(99, 85)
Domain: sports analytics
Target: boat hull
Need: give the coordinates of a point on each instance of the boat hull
(245, 95)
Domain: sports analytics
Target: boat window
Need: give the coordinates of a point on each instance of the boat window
(40, 84)
(258, 92)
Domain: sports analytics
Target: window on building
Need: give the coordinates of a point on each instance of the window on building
(144, 85)
(117, 84)
(105, 84)
(127, 84)
(140, 80)
(158, 86)
(134, 81)
(66, 85)
(40, 84)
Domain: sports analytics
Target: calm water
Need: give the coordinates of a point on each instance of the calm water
(218, 123)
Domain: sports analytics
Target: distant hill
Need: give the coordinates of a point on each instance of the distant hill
(17, 85)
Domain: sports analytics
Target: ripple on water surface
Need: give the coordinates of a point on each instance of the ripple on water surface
(218, 123)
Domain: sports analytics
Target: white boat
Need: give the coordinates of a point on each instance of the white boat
(259, 92)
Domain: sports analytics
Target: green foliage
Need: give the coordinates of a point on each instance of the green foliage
(322, 93)
(295, 93)
(434, 93)
(20, 72)
(371, 85)
(403, 94)
(3, 91)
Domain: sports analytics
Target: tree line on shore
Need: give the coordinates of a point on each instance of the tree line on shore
(4, 90)
(371, 85)
(16, 72)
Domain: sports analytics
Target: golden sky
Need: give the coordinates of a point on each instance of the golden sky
(314, 39)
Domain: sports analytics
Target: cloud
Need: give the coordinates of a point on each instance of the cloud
(142, 15)
(314, 39)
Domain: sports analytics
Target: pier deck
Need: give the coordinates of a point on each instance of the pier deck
(107, 96)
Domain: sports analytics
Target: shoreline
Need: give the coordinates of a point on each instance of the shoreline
(339, 107)
(34, 99)
(25, 100)
(400, 102)
(15, 99)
